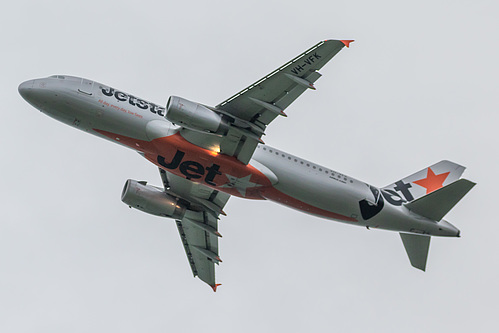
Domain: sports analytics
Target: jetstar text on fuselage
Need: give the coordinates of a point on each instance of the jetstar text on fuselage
(132, 100)
(192, 170)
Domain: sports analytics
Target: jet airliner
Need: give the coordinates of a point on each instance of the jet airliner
(206, 153)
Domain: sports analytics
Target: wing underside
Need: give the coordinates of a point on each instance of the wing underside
(198, 228)
(253, 108)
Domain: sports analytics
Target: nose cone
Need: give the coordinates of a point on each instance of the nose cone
(25, 89)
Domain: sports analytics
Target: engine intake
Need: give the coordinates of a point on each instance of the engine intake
(151, 199)
(194, 116)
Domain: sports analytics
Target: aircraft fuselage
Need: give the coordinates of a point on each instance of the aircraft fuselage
(271, 174)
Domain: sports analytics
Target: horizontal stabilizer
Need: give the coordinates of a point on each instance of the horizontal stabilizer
(439, 202)
(417, 247)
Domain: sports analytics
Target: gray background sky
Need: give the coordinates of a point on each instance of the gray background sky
(418, 85)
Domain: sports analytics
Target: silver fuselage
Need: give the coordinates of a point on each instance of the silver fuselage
(297, 183)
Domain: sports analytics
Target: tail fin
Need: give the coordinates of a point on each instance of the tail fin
(431, 193)
(427, 180)
(417, 247)
(438, 203)
(434, 206)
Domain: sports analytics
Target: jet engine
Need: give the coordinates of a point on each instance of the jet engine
(151, 199)
(194, 116)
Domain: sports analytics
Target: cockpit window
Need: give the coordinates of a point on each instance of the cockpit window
(58, 77)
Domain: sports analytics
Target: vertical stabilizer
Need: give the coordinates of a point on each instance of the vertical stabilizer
(427, 180)
(417, 247)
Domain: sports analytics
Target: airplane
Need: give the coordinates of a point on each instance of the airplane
(206, 154)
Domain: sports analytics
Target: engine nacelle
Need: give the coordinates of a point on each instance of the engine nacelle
(151, 200)
(194, 116)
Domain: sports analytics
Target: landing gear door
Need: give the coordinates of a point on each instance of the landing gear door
(86, 86)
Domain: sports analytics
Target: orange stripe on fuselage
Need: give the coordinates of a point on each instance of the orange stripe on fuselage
(168, 147)
(196, 162)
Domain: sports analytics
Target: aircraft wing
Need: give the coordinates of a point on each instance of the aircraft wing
(198, 229)
(253, 108)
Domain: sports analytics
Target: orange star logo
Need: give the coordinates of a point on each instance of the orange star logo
(432, 182)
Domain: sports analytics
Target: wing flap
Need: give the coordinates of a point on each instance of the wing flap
(198, 229)
(188, 252)
(197, 242)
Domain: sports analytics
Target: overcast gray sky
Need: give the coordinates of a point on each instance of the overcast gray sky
(418, 85)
